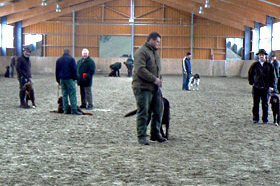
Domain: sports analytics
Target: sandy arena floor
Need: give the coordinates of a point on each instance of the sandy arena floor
(212, 138)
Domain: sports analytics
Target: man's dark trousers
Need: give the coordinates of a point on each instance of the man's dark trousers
(148, 101)
(263, 95)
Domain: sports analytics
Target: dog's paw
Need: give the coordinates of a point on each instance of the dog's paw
(33, 107)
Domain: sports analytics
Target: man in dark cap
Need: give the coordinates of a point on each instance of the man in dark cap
(23, 68)
(187, 70)
(275, 64)
(66, 74)
(261, 76)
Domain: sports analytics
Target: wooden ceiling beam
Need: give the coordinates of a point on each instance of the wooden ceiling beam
(5, 1)
(246, 13)
(64, 11)
(41, 10)
(259, 6)
(189, 7)
(19, 6)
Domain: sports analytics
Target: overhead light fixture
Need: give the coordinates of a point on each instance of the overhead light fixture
(44, 3)
(58, 9)
(207, 4)
(201, 10)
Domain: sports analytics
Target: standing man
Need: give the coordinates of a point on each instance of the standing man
(129, 63)
(261, 77)
(187, 71)
(276, 71)
(86, 69)
(23, 68)
(66, 74)
(12, 65)
(146, 85)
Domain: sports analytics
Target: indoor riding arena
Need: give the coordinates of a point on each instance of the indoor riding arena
(212, 138)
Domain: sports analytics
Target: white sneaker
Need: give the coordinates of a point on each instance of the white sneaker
(276, 124)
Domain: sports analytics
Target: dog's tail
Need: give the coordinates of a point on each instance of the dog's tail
(130, 113)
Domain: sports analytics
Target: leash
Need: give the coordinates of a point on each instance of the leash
(58, 90)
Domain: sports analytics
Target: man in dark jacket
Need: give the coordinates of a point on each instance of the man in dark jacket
(66, 74)
(129, 63)
(115, 69)
(275, 64)
(146, 85)
(85, 71)
(261, 77)
(187, 70)
(12, 65)
(23, 68)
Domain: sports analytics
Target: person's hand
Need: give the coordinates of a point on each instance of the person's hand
(58, 84)
(270, 89)
(186, 73)
(30, 80)
(158, 82)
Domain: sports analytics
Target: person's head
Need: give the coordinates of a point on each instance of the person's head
(273, 57)
(154, 39)
(189, 55)
(66, 51)
(26, 52)
(85, 53)
(262, 55)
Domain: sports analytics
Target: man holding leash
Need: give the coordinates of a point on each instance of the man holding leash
(146, 85)
(66, 74)
(261, 77)
(187, 70)
(86, 70)
(23, 68)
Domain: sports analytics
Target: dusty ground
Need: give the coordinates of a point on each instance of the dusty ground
(212, 138)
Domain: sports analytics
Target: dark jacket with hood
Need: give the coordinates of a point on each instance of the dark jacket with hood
(23, 67)
(261, 76)
(66, 68)
(85, 66)
(147, 68)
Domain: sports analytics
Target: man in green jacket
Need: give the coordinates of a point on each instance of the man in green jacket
(85, 71)
(146, 85)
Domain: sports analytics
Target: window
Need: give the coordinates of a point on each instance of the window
(276, 36)
(8, 38)
(264, 38)
(32, 39)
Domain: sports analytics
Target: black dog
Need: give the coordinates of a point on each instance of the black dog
(7, 73)
(165, 117)
(274, 101)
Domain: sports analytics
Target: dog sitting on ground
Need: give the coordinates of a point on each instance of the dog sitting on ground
(29, 95)
(7, 73)
(274, 101)
(165, 118)
(194, 82)
(60, 108)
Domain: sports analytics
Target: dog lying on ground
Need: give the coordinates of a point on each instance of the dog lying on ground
(7, 73)
(194, 82)
(274, 101)
(60, 108)
(29, 94)
(165, 117)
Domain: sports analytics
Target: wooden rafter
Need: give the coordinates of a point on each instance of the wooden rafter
(64, 11)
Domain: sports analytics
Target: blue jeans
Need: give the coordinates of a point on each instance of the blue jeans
(148, 102)
(263, 95)
(186, 80)
(68, 87)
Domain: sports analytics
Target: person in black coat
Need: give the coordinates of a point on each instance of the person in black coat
(115, 69)
(262, 78)
(23, 68)
(129, 63)
(276, 68)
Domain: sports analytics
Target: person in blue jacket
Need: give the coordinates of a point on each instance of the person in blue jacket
(66, 74)
(187, 70)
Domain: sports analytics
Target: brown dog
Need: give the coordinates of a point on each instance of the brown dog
(29, 94)
(60, 108)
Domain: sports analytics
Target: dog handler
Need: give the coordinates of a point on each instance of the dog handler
(261, 77)
(146, 85)
(23, 68)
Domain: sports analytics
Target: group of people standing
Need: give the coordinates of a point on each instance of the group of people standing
(67, 72)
